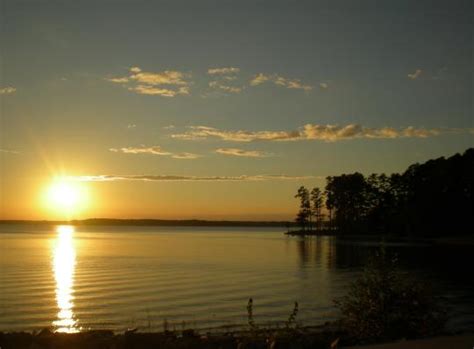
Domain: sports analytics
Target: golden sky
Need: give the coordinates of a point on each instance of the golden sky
(159, 110)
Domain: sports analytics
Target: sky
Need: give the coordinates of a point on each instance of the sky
(222, 109)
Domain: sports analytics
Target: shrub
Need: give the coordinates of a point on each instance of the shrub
(384, 304)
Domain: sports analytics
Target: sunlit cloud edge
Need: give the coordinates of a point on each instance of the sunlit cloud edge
(317, 132)
(173, 178)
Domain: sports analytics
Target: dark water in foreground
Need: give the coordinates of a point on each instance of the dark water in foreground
(120, 277)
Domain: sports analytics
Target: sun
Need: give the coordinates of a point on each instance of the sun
(65, 196)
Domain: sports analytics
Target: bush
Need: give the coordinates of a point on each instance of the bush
(385, 304)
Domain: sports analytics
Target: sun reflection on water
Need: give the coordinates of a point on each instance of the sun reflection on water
(64, 263)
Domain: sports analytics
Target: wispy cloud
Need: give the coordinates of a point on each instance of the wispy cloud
(223, 71)
(154, 150)
(172, 178)
(168, 83)
(415, 75)
(122, 80)
(164, 92)
(204, 132)
(7, 90)
(334, 132)
(222, 77)
(259, 79)
(242, 152)
(280, 81)
(226, 88)
(327, 133)
(185, 156)
(167, 77)
(129, 126)
(324, 85)
(9, 151)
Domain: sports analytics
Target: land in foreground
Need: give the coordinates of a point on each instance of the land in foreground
(453, 342)
(304, 338)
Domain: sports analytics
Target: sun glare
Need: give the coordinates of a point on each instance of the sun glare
(65, 196)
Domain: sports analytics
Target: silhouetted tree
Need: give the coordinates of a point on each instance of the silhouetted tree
(349, 199)
(304, 215)
(317, 205)
(380, 202)
(440, 195)
(434, 198)
(329, 202)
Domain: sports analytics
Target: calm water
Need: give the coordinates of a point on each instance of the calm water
(121, 277)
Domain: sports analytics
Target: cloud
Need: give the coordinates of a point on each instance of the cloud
(7, 90)
(168, 83)
(118, 80)
(279, 81)
(167, 77)
(204, 132)
(164, 92)
(9, 151)
(154, 150)
(172, 178)
(222, 76)
(185, 156)
(241, 152)
(259, 79)
(292, 84)
(415, 75)
(327, 133)
(131, 126)
(223, 71)
(219, 85)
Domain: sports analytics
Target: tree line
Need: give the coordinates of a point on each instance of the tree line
(433, 198)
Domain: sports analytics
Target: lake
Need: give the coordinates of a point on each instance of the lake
(81, 278)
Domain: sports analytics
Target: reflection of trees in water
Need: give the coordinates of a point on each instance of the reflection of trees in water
(332, 252)
(410, 255)
(442, 266)
(341, 253)
(351, 255)
(445, 261)
(303, 250)
(319, 250)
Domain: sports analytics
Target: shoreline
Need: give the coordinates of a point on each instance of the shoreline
(316, 337)
(461, 240)
(154, 222)
(466, 240)
(465, 340)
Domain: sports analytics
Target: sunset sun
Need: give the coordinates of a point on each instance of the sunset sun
(65, 196)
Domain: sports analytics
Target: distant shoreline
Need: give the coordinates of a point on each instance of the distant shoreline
(156, 222)
(287, 227)
(323, 232)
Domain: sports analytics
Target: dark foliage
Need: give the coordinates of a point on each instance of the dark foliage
(433, 198)
(385, 304)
